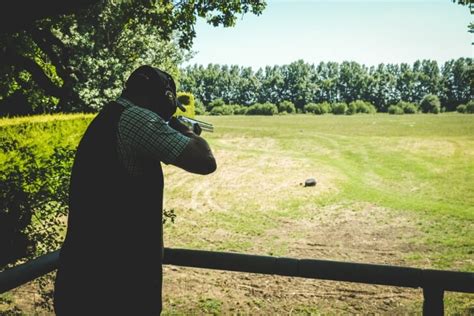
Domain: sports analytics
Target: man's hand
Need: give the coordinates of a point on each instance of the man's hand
(180, 127)
(197, 129)
(197, 156)
(184, 129)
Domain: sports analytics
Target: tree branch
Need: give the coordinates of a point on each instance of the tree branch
(46, 41)
(36, 72)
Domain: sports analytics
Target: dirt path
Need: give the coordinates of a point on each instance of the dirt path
(361, 234)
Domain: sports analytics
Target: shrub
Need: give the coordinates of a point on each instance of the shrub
(286, 106)
(310, 108)
(339, 108)
(395, 109)
(351, 108)
(222, 110)
(35, 165)
(408, 107)
(430, 104)
(34, 179)
(324, 107)
(470, 107)
(187, 99)
(199, 107)
(461, 108)
(366, 107)
(239, 109)
(360, 106)
(262, 109)
(317, 108)
(214, 103)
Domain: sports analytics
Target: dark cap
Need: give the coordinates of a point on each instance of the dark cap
(159, 79)
(168, 84)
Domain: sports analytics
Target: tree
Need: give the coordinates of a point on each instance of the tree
(272, 83)
(406, 82)
(298, 86)
(325, 79)
(382, 86)
(84, 45)
(457, 82)
(352, 81)
(247, 87)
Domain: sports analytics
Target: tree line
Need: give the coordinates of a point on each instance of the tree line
(302, 83)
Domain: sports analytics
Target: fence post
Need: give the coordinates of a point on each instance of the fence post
(433, 304)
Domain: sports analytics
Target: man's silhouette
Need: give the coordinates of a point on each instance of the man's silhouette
(110, 262)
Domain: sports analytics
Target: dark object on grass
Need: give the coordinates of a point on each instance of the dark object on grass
(310, 182)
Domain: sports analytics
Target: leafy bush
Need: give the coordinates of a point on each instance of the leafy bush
(360, 106)
(395, 109)
(364, 107)
(35, 163)
(430, 104)
(199, 107)
(470, 107)
(239, 109)
(286, 106)
(262, 109)
(461, 108)
(187, 99)
(214, 103)
(408, 107)
(310, 108)
(317, 108)
(466, 108)
(339, 108)
(222, 110)
(351, 108)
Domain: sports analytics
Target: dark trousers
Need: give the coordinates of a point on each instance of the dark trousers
(93, 294)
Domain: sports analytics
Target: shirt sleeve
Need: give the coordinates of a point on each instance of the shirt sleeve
(147, 133)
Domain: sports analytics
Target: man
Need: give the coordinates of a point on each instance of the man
(110, 262)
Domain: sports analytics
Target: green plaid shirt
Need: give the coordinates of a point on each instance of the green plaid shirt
(144, 138)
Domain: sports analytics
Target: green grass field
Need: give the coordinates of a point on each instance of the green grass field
(418, 165)
(391, 190)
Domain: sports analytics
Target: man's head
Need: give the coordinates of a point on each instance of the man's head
(154, 89)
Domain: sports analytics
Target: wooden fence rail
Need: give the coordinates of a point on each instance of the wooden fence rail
(433, 282)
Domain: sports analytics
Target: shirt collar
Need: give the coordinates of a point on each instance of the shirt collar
(125, 102)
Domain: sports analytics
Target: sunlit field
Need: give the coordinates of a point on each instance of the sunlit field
(390, 189)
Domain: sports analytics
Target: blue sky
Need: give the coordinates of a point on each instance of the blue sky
(365, 31)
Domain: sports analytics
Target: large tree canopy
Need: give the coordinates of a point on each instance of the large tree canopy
(77, 61)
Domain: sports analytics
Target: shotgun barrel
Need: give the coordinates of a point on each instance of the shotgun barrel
(190, 123)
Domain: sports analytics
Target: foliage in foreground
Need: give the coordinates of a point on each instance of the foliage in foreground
(35, 163)
(76, 62)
